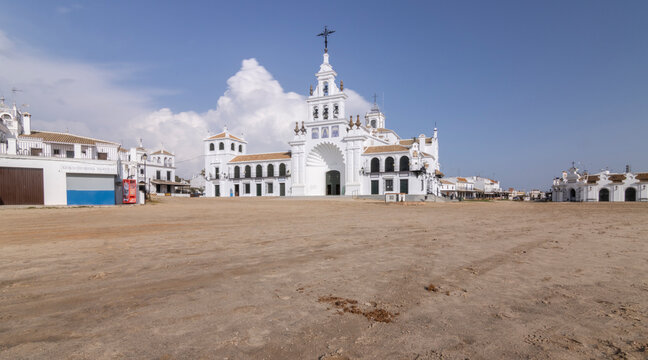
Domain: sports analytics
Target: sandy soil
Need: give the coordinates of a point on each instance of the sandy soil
(344, 279)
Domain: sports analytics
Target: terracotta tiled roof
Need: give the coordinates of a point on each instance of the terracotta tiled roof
(65, 138)
(223, 136)
(447, 182)
(592, 179)
(261, 157)
(124, 150)
(616, 178)
(460, 179)
(642, 176)
(406, 142)
(161, 152)
(385, 149)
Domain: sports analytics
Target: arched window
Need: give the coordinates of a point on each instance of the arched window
(221, 146)
(240, 148)
(375, 165)
(259, 171)
(373, 124)
(326, 89)
(630, 194)
(282, 169)
(233, 147)
(389, 164)
(572, 195)
(270, 170)
(248, 171)
(604, 195)
(404, 164)
(211, 147)
(237, 172)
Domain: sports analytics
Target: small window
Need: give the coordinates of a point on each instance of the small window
(158, 175)
(282, 169)
(141, 171)
(248, 171)
(373, 124)
(389, 185)
(240, 148)
(102, 156)
(315, 133)
(221, 146)
(389, 164)
(270, 170)
(233, 147)
(57, 151)
(326, 89)
(212, 147)
(237, 172)
(169, 175)
(247, 188)
(269, 188)
(69, 154)
(259, 171)
(375, 165)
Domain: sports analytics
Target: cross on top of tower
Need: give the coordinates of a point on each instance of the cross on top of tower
(326, 34)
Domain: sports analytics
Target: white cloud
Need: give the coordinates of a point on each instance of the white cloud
(86, 99)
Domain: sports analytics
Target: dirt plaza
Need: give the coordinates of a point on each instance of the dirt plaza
(324, 279)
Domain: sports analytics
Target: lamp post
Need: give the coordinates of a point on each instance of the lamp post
(146, 190)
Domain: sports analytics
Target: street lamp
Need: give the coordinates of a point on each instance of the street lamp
(146, 190)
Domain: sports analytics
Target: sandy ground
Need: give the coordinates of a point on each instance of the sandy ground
(322, 279)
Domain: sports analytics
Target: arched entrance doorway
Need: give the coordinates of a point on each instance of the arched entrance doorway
(325, 173)
(630, 194)
(572, 195)
(604, 195)
(333, 182)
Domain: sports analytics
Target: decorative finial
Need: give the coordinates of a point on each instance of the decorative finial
(303, 129)
(341, 85)
(326, 34)
(311, 89)
(358, 123)
(296, 127)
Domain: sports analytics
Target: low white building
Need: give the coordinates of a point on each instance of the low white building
(603, 186)
(154, 169)
(485, 187)
(52, 168)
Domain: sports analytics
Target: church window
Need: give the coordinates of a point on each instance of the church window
(375, 165)
(221, 146)
(211, 147)
(233, 147)
(389, 164)
(270, 170)
(315, 112)
(259, 171)
(237, 172)
(373, 124)
(240, 148)
(325, 112)
(315, 133)
(326, 89)
(248, 171)
(336, 111)
(325, 133)
(335, 131)
(404, 164)
(282, 169)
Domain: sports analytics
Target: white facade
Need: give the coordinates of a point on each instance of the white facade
(330, 154)
(603, 186)
(156, 173)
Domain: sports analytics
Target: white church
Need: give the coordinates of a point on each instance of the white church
(331, 153)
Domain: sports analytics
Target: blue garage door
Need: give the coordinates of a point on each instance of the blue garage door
(86, 189)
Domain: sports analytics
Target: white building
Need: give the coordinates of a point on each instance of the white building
(329, 155)
(52, 168)
(485, 187)
(155, 169)
(603, 186)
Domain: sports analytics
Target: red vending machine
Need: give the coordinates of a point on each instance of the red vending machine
(130, 191)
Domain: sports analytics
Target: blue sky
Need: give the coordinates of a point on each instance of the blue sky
(518, 89)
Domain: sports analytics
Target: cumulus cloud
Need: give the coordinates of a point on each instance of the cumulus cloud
(86, 99)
